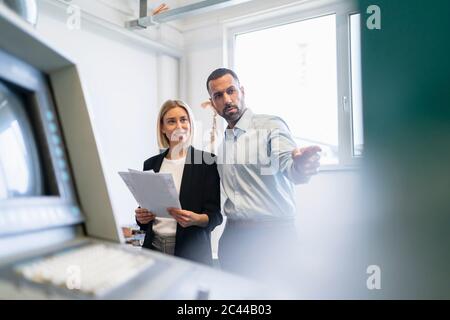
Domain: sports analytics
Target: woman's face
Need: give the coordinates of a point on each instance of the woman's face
(176, 125)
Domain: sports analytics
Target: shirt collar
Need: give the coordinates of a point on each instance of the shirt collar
(241, 126)
(245, 120)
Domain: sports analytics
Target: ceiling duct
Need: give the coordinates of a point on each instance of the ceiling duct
(193, 9)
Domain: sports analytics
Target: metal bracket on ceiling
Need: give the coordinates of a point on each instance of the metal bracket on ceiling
(204, 6)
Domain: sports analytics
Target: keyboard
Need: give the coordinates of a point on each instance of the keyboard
(94, 269)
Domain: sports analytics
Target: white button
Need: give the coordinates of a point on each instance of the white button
(52, 127)
(49, 115)
(56, 139)
(33, 216)
(12, 218)
(23, 217)
(65, 176)
(62, 164)
(75, 211)
(60, 213)
(53, 214)
(43, 214)
(59, 152)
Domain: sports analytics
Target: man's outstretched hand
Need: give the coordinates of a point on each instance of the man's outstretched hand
(306, 162)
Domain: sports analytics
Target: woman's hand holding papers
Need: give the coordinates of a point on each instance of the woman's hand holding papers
(188, 218)
(144, 216)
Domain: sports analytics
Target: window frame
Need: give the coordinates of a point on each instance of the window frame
(301, 12)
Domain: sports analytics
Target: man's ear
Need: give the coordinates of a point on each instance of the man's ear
(242, 90)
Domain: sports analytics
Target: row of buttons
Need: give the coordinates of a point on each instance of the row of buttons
(56, 140)
(19, 219)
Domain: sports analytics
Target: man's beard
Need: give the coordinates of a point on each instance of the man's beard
(235, 114)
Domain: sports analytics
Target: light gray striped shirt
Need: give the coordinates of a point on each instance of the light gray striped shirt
(256, 168)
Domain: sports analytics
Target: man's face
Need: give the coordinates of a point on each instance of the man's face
(227, 97)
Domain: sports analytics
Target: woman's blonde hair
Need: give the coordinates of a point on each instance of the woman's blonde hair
(163, 142)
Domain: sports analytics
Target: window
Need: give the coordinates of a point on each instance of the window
(357, 116)
(307, 71)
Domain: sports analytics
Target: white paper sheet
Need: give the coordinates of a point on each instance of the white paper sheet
(153, 191)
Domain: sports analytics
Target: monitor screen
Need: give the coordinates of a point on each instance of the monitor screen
(20, 168)
(37, 191)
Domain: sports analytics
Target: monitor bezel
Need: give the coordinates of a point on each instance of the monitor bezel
(18, 215)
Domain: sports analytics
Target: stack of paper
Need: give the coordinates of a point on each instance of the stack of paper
(153, 191)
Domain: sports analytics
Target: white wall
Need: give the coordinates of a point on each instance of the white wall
(204, 53)
(125, 86)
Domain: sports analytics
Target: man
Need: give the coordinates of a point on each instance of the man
(258, 163)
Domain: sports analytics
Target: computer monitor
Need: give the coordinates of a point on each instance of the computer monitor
(52, 183)
(20, 166)
(36, 185)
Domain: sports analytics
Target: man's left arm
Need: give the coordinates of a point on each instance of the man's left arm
(297, 164)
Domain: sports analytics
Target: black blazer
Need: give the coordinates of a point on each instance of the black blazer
(200, 193)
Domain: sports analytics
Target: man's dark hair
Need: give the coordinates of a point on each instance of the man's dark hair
(218, 73)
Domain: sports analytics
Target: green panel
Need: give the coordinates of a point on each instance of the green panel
(406, 97)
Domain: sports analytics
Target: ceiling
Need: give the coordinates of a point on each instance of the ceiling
(239, 9)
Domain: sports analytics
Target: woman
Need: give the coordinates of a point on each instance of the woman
(188, 234)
